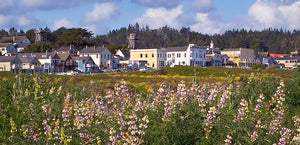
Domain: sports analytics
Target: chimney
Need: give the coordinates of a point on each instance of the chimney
(102, 45)
(14, 39)
(70, 46)
(94, 47)
(86, 46)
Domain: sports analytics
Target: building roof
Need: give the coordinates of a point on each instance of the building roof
(26, 59)
(231, 49)
(174, 49)
(67, 49)
(84, 59)
(277, 55)
(93, 50)
(7, 58)
(63, 56)
(263, 54)
(18, 39)
(288, 58)
(126, 54)
(37, 55)
(4, 44)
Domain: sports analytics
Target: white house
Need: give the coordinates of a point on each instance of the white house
(50, 62)
(191, 55)
(101, 56)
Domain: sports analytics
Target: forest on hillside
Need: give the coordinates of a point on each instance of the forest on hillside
(272, 40)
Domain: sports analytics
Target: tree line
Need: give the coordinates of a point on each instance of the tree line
(271, 40)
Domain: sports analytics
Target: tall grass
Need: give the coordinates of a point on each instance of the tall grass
(254, 110)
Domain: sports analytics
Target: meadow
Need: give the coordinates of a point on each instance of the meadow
(182, 105)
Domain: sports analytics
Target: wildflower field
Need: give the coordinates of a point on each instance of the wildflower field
(151, 108)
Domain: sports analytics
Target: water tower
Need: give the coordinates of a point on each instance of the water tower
(38, 35)
(132, 41)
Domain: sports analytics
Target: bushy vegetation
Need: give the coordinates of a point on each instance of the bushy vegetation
(256, 109)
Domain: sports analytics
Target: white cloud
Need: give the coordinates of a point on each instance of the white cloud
(158, 3)
(202, 6)
(62, 23)
(23, 21)
(158, 17)
(205, 24)
(101, 13)
(6, 3)
(267, 14)
(291, 15)
(4, 20)
(50, 4)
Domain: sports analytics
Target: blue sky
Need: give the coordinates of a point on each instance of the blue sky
(101, 16)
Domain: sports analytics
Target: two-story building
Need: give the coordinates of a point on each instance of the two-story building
(288, 61)
(148, 57)
(19, 42)
(86, 64)
(100, 55)
(241, 57)
(50, 62)
(191, 55)
(30, 65)
(10, 64)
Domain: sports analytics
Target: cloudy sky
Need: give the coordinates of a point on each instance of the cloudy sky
(100, 16)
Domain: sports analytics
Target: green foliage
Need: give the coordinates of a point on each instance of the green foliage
(75, 36)
(259, 67)
(113, 48)
(257, 110)
(30, 35)
(42, 46)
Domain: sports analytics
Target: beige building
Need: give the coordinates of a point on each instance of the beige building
(100, 55)
(9, 64)
(155, 58)
(289, 61)
(242, 57)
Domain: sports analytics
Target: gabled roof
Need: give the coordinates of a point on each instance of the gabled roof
(63, 56)
(18, 39)
(7, 58)
(263, 54)
(174, 49)
(26, 59)
(67, 49)
(84, 59)
(93, 50)
(37, 55)
(126, 54)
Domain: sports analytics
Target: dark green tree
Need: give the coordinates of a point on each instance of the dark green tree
(75, 36)
(30, 35)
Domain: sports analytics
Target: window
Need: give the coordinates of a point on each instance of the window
(96, 55)
(152, 54)
(141, 55)
(146, 55)
(178, 55)
(184, 54)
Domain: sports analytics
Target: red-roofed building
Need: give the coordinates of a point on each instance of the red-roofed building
(276, 55)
